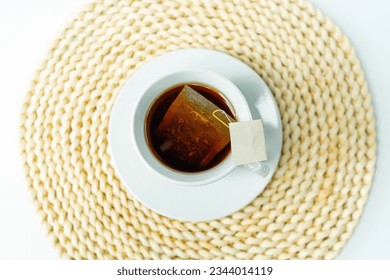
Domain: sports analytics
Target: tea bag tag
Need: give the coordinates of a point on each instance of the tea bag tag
(247, 142)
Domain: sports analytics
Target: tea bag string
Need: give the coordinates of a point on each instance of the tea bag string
(229, 118)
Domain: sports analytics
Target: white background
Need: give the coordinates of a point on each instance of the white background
(27, 28)
(281, 270)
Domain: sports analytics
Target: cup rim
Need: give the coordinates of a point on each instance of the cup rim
(176, 176)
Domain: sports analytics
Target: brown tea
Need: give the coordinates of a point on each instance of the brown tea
(182, 130)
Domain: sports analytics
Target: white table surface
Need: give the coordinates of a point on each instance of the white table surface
(27, 27)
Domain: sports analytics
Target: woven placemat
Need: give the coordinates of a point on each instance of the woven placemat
(317, 195)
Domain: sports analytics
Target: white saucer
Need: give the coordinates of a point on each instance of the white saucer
(195, 203)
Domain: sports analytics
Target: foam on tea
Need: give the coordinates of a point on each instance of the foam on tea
(189, 136)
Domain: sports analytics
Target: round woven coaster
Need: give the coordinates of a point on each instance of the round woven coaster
(318, 193)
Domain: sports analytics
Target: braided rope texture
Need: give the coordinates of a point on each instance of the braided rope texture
(317, 195)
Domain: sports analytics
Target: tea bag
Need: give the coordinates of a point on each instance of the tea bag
(189, 132)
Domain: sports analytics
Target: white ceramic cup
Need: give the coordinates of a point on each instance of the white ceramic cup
(211, 79)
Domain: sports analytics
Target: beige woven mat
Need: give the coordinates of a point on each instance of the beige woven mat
(312, 205)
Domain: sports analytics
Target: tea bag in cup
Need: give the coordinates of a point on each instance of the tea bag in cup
(189, 133)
